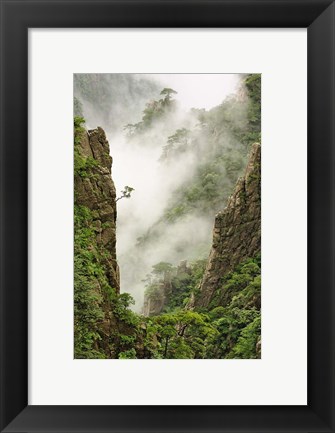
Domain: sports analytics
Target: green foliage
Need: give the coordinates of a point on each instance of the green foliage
(178, 283)
(121, 310)
(77, 108)
(161, 268)
(177, 143)
(82, 165)
(246, 343)
(248, 131)
(154, 111)
(253, 85)
(167, 92)
(128, 354)
(91, 291)
(180, 335)
(228, 328)
(126, 192)
(78, 121)
(231, 330)
(88, 275)
(207, 190)
(238, 319)
(241, 286)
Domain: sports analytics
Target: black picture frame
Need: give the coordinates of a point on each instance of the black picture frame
(16, 18)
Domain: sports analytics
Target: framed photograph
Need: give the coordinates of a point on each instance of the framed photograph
(167, 216)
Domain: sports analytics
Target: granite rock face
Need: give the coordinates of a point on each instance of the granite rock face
(94, 195)
(237, 230)
(96, 191)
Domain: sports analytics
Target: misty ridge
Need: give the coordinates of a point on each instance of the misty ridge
(182, 161)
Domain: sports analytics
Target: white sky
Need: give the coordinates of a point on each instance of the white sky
(199, 90)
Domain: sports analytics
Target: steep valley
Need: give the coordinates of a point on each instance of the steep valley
(194, 268)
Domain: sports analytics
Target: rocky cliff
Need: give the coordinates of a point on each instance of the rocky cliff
(94, 189)
(236, 234)
(96, 273)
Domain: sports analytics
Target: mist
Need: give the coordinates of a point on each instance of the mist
(145, 237)
(200, 90)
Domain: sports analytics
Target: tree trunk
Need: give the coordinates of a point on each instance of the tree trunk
(166, 347)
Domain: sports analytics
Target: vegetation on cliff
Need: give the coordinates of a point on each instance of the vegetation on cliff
(219, 140)
(104, 326)
(229, 327)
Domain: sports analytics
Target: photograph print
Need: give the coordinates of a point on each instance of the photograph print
(167, 216)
